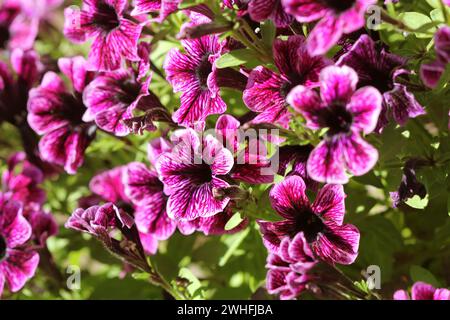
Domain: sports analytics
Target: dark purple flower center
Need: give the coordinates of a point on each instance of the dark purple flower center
(337, 119)
(4, 36)
(200, 173)
(339, 5)
(380, 79)
(308, 222)
(73, 109)
(3, 248)
(130, 91)
(106, 17)
(203, 70)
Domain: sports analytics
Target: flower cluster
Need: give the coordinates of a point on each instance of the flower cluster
(265, 123)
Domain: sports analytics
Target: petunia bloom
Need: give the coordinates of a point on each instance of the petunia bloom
(112, 97)
(378, 68)
(336, 18)
(423, 291)
(18, 262)
(345, 113)
(194, 75)
(162, 7)
(267, 90)
(321, 222)
(432, 72)
(261, 10)
(56, 113)
(287, 274)
(251, 164)
(114, 37)
(190, 173)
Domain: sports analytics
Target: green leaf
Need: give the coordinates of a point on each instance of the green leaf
(235, 242)
(235, 58)
(417, 203)
(416, 21)
(268, 32)
(195, 286)
(234, 221)
(418, 273)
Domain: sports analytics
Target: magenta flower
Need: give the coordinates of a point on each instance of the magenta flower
(111, 98)
(251, 164)
(336, 18)
(114, 37)
(432, 72)
(23, 186)
(190, 173)
(43, 226)
(382, 70)
(17, 262)
(321, 222)
(57, 114)
(345, 113)
(161, 7)
(266, 90)
(18, 30)
(287, 274)
(108, 185)
(261, 10)
(194, 75)
(423, 291)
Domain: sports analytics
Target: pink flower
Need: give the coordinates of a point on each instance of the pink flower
(56, 113)
(114, 37)
(432, 72)
(345, 113)
(261, 10)
(190, 173)
(266, 90)
(289, 269)
(17, 262)
(423, 291)
(161, 7)
(321, 222)
(336, 18)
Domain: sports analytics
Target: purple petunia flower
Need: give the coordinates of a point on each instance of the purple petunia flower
(190, 173)
(57, 114)
(114, 37)
(23, 186)
(432, 72)
(336, 18)
(163, 7)
(423, 291)
(261, 10)
(287, 274)
(345, 113)
(194, 75)
(266, 90)
(382, 70)
(250, 161)
(111, 98)
(18, 26)
(17, 262)
(321, 222)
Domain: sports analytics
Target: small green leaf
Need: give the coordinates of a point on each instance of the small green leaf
(234, 221)
(235, 58)
(417, 203)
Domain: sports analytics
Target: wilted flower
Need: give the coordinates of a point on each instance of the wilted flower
(378, 68)
(423, 291)
(345, 113)
(336, 18)
(266, 90)
(190, 173)
(287, 274)
(115, 37)
(18, 263)
(321, 222)
(57, 114)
